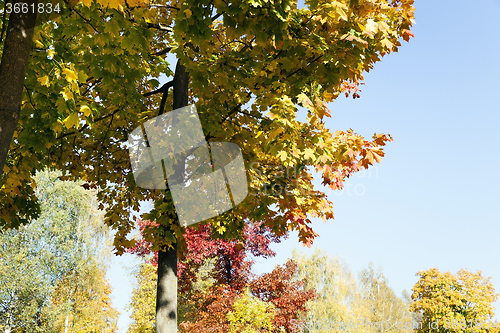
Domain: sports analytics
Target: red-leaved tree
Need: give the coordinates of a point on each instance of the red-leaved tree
(231, 274)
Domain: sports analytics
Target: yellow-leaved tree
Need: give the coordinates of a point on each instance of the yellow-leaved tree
(460, 303)
(251, 315)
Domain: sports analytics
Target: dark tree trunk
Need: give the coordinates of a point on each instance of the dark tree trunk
(15, 58)
(166, 290)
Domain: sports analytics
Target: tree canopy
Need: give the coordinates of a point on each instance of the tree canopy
(217, 291)
(460, 303)
(94, 76)
(260, 73)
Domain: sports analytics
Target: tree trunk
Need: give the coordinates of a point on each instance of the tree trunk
(166, 290)
(15, 58)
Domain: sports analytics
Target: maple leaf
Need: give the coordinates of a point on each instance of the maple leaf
(85, 110)
(72, 120)
(309, 153)
(407, 34)
(371, 27)
(44, 80)
(70, 75)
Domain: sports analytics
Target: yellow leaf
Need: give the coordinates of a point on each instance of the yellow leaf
(382, 26)
(116, 4)
(85, 110)
(282, 155)
(67, 94)
(387, 43)
(308, 153)
(324, 159)
(44, 80)
(327, 96)
(371, 26)
(72, 120)
(70, 75)
(341, 13)
(188, 13)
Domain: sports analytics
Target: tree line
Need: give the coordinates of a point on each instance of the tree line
(53, 280)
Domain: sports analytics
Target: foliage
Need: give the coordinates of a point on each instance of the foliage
(82, 302)
(250, 315)
(23, 291)
(289, 295)
(214, 275)
(36, 261)
(143, 300)
(94, 76)
(460, 303)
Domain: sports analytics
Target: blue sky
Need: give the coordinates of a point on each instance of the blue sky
(433, 201)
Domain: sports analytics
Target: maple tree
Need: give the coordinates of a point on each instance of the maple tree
(216, 288)
(94, 76)
(460, 303)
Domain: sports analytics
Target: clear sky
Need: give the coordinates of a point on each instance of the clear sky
(433, 201)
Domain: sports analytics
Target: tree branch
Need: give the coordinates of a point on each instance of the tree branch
(87, 125)
(159, 27)
(215, 17)
(301, 68)
(86, 20)
(162, 52)
(163, 88)
(164, 6)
